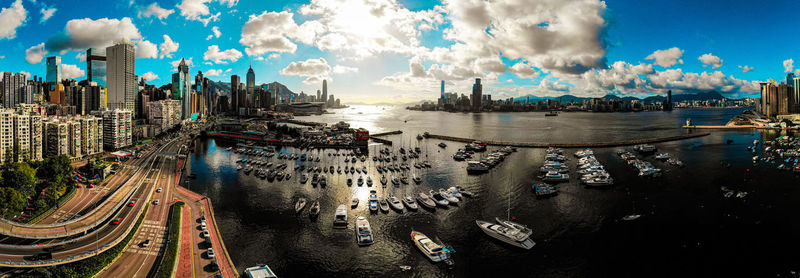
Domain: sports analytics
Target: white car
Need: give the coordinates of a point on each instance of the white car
(158, 190)
(203, 224)
(155, 202)
(210, 253)
(205, 234)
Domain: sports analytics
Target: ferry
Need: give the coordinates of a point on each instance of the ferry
(340, 218)
(363, 232)
(434, 251)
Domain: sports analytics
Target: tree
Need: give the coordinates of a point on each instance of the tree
(18, 179)
(11, 202)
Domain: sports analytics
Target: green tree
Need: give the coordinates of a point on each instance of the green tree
(11, 201)
(18, 179)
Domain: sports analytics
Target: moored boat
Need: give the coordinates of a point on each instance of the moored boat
(363, 231)
(434, 251)
(301, 203)
(506, 234)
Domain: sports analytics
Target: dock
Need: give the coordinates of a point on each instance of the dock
(570, 145)
(379, 140)
(733, 127)
(388, 133)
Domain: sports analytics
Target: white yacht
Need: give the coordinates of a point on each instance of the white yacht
(409, 202)
(506, 234)
(434, 251)
(522, 228)
(340, 218)
(450, 198)
(555, 177)
(426, 201)
(363, 232)
(438, 198)
(476, 167)
(395, 203)
(455, 192)
(373, 200)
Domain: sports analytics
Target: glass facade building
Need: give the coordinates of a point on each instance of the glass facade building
(96, 66)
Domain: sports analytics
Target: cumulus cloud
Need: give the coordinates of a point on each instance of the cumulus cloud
(745, 68)
(229, 3)
(12, 18)
(198, 10)
(149, 76)
(80, 34)
(71, 71)
(269, 32)
(168, 47)
(710, 59)
(788, 65)
(81, 56)
(213, 72)
(524, 70)
(667, 57)
(47, 14)
(315, 70)
(339, 69)
(216, 33)
(175, 63)
(35, 54)
(154, 10)
(219, 57)
(146, 49)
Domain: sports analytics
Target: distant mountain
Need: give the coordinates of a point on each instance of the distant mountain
(282, 90)
(224, 88)
(675, 97)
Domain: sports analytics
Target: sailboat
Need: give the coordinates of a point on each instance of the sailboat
(507, 231)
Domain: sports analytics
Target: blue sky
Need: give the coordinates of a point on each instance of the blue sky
(399, 50)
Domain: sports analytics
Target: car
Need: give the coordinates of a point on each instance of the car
(116, 221)
(132, 203)
(203, 224)
(90, 186)
(145, 243)
(205, 234)
(155, 202)
(213, 266)
(78, 186)
(158, 190)
(203, 217)
(210, 253)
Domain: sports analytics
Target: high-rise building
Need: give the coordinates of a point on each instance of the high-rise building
(56, 137)
(165, 113)
(319, 96)
(477, 92)
(53, 70)
(198, 88)
(441, 97)
(37, 133)
(251, 86)
(15, 89)
(182, 89)
(769, 98)
(668, 102)
(6, 135)
(117, 128)
(324, 98)
(790, 79)
(91, 135)
(121, 78)
(96, 66)
(796, 96)
(235, 80)
(784, 95)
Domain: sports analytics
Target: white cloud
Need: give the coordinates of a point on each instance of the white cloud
(146, 49)
(149, 76)
(274, 56)
(175, 63)
(213, 72)
(35, 54)
(11, 18)
(168, 47)
(153, 10)
(81, 56)
(339, 69)
(47, 14)
(268, 32)
(315, 70)
(230, 3)
(216, 33)
(71, 71)
(227, 70)
(219, 57)
(745, 68)
(667, 57)
(788, 65)
(197, 10)
(524, 70)
(81, 34)
(710, 59)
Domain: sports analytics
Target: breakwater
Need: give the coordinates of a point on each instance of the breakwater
(570, 145)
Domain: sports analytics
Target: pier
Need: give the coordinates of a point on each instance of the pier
(379, 140)
(387, 133)
(733, 127)
(303, 123)
(570, 145)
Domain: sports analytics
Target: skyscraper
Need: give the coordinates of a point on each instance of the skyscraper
(121, 77)
(53, 70)
(796, 96)
(324, 92)
(234, 93)
(668, 103)
(182, 90)
(251, 86)
(14, 89)
(198, 88)
(96, 66)
(477, 93)
(319, 96)
(442, 94)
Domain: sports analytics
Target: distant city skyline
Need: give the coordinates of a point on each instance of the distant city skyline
(402, 53)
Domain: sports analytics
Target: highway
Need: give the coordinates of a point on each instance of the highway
(144, 183)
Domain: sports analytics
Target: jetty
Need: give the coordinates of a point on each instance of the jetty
(388, 133)
(733, 127)
(570, 145)
(379, 140)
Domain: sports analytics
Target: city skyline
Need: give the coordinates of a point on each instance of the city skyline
(408, 47)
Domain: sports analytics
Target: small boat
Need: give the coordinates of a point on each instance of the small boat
(434, 251)
(301, 203)
(238, 167)
(360, 181)
(373, 201)
(416, 179)
(363, 232)
(454, 191)
(464, 192)
(383, 181)
(354, 203)
(551, 114)
(384, 205)
(506, 234)
(631, 217)
(313, 211)
(426, 201)
(450, 198)
(369, 181)
(340, 218)
(521, 228)
(442, 145)
(410, 203)
(419, 137)
(349, 181)
(395, 203)
(439, 199)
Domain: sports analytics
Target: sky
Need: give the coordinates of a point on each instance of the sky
(398, 51)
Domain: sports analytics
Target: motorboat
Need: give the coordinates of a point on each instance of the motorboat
(301, 203)
(395, 180)
(369, 181)
(340, 218)
(464, 192)
(434, 251)
(383, 180)
(313, 211)
(450, 198)
(349, 181)
(438, 198)
(373, 200)
(442, 145)
(395, 203)
(631, 217)
(409, 202)
(553, 176)
(426, 201)
(416, 179)
(476, 167)
(354, 203)
(506, 234)
(360, 181)
(454, 191)
(363, 232)
(543, 189)
(384, 205)
(522, 228)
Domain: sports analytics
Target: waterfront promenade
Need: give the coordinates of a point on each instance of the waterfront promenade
(570, 145)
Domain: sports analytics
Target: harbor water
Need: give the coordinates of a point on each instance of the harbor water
(687, 228)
